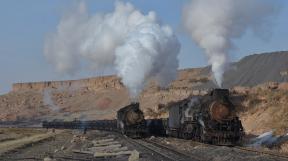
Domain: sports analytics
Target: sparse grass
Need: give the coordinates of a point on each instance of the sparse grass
(24, 131)
(16, 133)
(160, 112)
(284, 148)
(199, 79)
(7, 146)
(273, 103)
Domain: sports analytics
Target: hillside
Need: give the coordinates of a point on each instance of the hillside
(253, 70)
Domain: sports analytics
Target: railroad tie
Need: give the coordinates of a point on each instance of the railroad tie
(105, 154)
(118, 149)
(102, 141)
(82, 151)
(106, 143)
(105, 147)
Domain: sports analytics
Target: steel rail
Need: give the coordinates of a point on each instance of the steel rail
(262, 152)
(167, 153)
(175, 151)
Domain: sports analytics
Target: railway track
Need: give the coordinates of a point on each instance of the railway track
(262, 152)
(172, 154)
(273, 154)
(247, 149)
(189, 157)
(166, 153)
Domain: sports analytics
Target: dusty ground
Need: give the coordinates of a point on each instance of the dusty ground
(215, 153)
(59, 147)
(74, 145)
(8, 134)
(65, 146)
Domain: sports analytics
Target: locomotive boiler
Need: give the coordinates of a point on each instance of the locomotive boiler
(210, 119)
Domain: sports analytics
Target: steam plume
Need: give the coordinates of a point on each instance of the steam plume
(213, 24)
(47, 100)
(135, 45)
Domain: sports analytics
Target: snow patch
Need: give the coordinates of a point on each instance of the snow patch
(265, 139)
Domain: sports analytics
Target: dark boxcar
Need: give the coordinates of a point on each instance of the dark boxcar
(157, 127)
(108, 125)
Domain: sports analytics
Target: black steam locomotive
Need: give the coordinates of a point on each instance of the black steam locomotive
(210, 119)
(131, 122)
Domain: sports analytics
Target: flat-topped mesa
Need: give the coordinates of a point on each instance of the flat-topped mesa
(90, 83)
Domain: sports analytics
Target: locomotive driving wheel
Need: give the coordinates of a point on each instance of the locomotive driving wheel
(187, 132)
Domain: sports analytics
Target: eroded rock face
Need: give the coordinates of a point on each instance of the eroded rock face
(90, 84)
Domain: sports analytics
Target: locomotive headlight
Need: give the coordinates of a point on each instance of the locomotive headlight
(219, 111)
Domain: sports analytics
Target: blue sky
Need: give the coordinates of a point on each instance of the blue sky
(24, 25)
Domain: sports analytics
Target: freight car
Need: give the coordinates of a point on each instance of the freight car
(157, 127)
(209, 119)
(109, 125)
(131, 122)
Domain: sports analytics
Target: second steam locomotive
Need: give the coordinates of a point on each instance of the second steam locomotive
(210, 119)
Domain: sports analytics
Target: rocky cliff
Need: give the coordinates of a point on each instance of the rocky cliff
(90, 83)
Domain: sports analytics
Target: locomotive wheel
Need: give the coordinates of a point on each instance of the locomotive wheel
(186, 132)
(187, 136)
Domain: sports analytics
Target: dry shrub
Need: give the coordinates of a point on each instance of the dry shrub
(161, 111)
(269, 106)
(284, 148)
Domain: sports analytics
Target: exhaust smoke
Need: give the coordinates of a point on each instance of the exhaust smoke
(137, 46)
(48, 100)
(213, 24)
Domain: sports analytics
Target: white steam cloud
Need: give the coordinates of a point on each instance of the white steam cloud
(213, 24)
(137, 46)
(48, 100)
